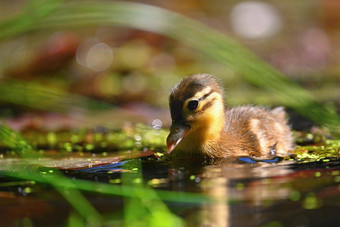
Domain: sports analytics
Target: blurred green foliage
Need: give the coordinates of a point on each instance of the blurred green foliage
(143, 205)
(54, 14)
(40, 97)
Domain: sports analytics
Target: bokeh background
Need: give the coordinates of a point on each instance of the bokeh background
(57, 77)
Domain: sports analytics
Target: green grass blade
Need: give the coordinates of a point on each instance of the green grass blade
(108, 189)
(71, 194)
(33, 13)
(145, 207)
(37, 96)
(15, 141)
(137, 196)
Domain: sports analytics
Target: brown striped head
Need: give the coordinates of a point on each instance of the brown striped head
(197, 110)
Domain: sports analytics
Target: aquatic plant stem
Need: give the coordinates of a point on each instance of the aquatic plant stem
(27, 152)
(108, 189)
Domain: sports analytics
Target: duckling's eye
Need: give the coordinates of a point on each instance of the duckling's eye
(193, 104)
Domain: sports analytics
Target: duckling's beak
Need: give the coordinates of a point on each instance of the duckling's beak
(177, 133)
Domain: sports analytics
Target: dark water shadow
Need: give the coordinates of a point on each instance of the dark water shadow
(273, 192)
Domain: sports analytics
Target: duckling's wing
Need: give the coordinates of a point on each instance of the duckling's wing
(279, 113)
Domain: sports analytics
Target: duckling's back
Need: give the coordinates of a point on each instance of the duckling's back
(256, 131)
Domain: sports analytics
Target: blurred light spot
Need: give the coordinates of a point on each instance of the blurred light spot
(162, 61)
(114, 181)
(138, 137)
(337, 179)
(239, 186)
(108, 85)
(157, 124)
(156, 181)
(133, 55)
(28, 190)
(317, 174)
(295, 196)
(336, 172)
(99, 57)
(197, 179)
(255, 20)
(311, 54)
(95, 55)
(316, 48)
(137, 180)
(311, 202)
(134, 84)
(83, 49)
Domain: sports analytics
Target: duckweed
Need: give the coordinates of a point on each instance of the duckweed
(75, 138)
(295, 196)
(51, 138)
(273, 224)
(311, 202)
(239, 186)
(137, 180)
(28, 190)
(310, 147)
(337, 179)
(321, 149)
(156, 181)
(115, 181)
(89, 147)
(335, 172)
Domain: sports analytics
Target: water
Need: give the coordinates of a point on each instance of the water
(272, 192)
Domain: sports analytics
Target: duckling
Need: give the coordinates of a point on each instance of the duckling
(203, 126)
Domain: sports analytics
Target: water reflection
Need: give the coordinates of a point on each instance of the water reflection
(285, 193)
(280, 194)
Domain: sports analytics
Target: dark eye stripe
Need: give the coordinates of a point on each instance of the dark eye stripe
(208, 104)
(206, 95)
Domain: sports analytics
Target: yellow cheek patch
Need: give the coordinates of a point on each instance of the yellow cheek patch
(212, 105)
(211, 121)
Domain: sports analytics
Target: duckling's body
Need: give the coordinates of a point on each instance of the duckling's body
(201, 125)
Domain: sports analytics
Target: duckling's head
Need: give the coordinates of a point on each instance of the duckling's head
(197, 112)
